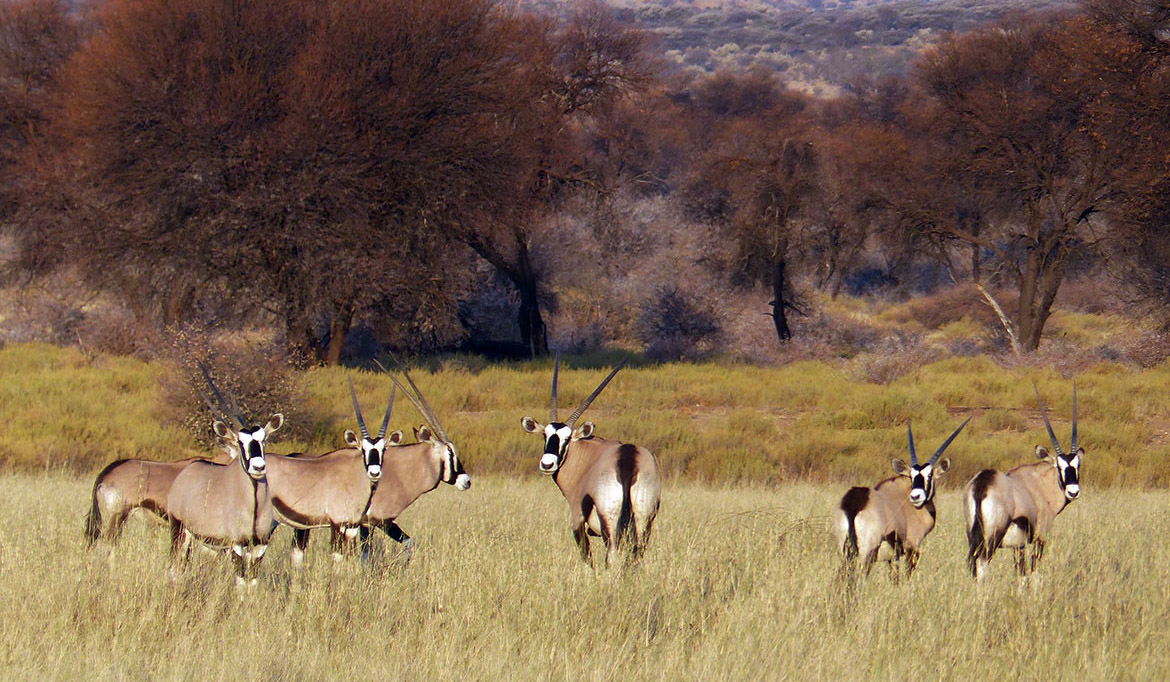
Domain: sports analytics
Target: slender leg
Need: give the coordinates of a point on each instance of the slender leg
(582, 541)
(398, 535)
(300, 543)
(117, 521)
(1037, 553)
(911, 562)
(1021, 563)
(364, 536)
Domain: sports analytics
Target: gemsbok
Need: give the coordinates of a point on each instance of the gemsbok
(409, 471)
(125, 485)
(613, 488)
(1016, 508)
(890, 520)
(331, 490)
(226, 506)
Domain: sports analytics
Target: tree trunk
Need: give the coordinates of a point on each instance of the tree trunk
(1039, 282)
(533, 333)
(778, 315)
(339, 326)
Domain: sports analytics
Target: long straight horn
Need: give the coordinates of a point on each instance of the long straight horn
(948, 442)
(420, 402)
(1047, 424)
(910, 436)
(386, 419)
(219, 396)
(596, 392)
(1073, 445)
(357, 410)
(552, 415)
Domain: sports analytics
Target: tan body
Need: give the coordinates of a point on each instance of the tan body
(224, 508)
(330, 490)
(1012, 509)
(126, 485)
(613, 489)
(408, 472)
(880, 524)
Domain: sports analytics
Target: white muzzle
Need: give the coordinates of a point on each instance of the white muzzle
(462, 481)
(548, 463)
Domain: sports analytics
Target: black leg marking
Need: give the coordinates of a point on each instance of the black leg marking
(301, 538)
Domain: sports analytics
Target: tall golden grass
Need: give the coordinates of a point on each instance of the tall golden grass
(739, 583)
(715, 422)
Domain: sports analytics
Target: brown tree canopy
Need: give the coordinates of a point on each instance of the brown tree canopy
(314, 159)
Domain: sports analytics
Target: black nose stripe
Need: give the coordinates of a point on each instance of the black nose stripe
(553, 445)
(254, 449)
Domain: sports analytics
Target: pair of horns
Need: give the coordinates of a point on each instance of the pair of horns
(572, 420)
(1048, 425)
(222, 410)
(938, 453)
(357, 409)
(417, 398)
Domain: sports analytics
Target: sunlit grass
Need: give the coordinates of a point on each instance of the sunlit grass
(714, 421)
(739, 583)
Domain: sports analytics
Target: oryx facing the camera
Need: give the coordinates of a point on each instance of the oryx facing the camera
(890, 520)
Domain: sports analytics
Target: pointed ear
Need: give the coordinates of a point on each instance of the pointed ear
(1042, 452)
(584, 431)
(275, 423)
(422, 433)
(221, 430)
(900, 467)
(531, 425)
(1080, 452)
(395, 438)
(942, 466)
(351, 438)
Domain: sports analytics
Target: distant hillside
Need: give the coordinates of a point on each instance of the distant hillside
(817, 44)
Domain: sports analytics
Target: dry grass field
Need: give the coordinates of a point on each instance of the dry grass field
(739, 583)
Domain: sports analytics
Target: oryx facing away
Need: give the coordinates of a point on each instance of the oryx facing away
(226, 506)
(890, 520)
(330, 490)
(613, 488)
(1016, 508)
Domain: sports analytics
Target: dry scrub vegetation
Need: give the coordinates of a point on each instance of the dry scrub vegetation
(739, 583)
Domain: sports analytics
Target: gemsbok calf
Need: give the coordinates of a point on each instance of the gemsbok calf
(613, 488)
(226, 506)
(1016, 508)
(409, 471)
(331, 490)
(890, 520)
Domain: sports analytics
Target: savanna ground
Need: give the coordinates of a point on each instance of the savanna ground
(740, 581)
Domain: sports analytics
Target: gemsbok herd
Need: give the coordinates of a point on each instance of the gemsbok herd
(234, 503)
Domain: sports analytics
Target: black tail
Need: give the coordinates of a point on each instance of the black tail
(93, 521)
(976, 541)
(627, 473)
(854, 501)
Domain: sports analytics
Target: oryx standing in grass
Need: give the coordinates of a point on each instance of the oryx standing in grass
(890, 520)
(1017, 508)
(331, 490)
(226, 506)
(128, 484)
(409, 471)
(613, 488)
